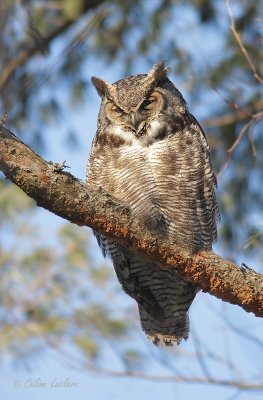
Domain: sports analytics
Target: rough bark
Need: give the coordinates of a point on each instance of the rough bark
(64, 195)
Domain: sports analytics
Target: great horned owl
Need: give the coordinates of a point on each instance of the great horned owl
(152, 154)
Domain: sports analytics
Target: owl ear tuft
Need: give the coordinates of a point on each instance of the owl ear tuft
(158, 72)
(103, 88)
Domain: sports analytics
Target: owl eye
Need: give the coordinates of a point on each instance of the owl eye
(145, 104)
(117, 110)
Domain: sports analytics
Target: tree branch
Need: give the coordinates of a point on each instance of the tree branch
(64, 195)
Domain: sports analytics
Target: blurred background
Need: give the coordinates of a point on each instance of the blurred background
(67, 330)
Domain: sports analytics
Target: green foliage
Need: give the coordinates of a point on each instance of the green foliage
(72, 9)
(87, 345)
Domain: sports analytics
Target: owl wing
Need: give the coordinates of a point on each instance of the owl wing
(185, 180)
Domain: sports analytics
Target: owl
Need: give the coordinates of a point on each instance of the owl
(151, 154)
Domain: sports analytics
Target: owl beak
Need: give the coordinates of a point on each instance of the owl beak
(138, 124)
(142, 129)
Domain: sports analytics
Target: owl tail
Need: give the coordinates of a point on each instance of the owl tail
(170, 330)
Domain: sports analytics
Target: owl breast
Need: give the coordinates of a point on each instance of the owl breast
(163, 178)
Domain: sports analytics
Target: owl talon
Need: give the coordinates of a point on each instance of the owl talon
(168, 340)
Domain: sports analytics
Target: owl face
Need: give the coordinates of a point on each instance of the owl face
(140, 108)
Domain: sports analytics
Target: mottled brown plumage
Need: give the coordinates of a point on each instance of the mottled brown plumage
(152, 154)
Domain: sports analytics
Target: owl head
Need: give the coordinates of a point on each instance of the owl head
(142, 107)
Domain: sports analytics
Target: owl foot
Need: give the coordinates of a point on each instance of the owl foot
(168, 340)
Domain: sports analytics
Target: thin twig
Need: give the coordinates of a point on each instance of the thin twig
(233, 105)
(252, 142)
(179, 378)
(254, 120)
(232, 148)
(200, 358)
(240, 43)
(246, 334)
(232, 117)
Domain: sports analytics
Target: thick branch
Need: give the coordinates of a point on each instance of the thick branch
(64, 195)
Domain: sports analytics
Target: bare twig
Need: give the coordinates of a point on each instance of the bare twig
(232, 117)
(246, 334)
(240, 43)
(176, 377)
(253, 121)
(232, 148)
(251, 138)
(179, 378)
(242, 114)
(78, 363)
(200, 358)
(234, 105)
